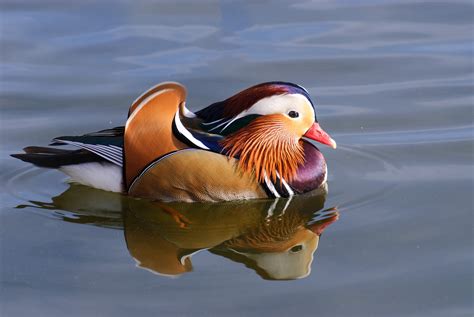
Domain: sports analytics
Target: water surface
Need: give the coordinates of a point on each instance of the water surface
(393, 84)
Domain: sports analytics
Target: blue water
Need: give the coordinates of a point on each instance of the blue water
(393, 84)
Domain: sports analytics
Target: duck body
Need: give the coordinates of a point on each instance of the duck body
(222, 182)
(249, 146)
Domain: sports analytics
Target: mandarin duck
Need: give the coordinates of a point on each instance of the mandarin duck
(251, 145)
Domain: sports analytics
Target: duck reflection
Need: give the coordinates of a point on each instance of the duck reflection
(275, 238)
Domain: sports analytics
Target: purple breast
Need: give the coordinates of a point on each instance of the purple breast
(312, 173)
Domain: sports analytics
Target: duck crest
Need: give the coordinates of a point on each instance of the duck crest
(265, 149)
(233, 106)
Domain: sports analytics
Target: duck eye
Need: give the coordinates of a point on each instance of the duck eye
(296, 248)
(293, 114)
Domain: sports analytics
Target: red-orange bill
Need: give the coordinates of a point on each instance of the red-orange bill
(317, 134)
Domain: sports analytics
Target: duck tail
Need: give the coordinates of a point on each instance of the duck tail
(55, 158)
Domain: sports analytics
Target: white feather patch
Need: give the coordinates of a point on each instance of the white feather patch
(280, 104)
(105, 176)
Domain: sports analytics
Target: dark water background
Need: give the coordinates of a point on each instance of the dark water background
(393, 84)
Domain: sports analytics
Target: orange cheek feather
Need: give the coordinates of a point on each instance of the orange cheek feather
(267, 146)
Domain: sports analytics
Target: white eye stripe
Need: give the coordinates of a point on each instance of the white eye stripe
(280, 104)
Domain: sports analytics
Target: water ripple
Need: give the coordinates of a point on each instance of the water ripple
(451, 134)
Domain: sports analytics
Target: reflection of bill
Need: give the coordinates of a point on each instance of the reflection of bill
(276, 238)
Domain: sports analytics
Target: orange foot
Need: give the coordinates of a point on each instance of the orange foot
(180, 219)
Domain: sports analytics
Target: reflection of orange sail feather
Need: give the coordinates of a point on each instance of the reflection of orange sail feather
(152, 251)
(148, 132)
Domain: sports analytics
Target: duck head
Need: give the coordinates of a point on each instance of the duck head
(264, 126)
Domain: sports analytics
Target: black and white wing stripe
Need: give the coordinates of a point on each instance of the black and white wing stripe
(111, 153)
(277, 189)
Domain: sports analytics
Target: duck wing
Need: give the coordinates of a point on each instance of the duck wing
(49, 157)
(148, 133)
(107, 144)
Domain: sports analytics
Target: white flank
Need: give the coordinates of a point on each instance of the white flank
(105, 176)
